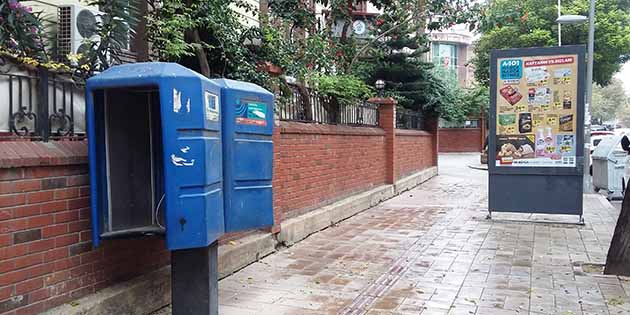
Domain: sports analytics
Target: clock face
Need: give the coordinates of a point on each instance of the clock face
(358, 27)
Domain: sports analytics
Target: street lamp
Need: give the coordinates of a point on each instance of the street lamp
(577, 19)
(568, 19)
(380, 86)
(571, 19)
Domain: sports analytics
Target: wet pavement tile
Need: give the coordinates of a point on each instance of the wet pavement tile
(431, 250)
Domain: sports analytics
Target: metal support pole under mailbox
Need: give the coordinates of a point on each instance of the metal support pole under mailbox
(194, 281)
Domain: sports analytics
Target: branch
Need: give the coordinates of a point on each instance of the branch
(366, 46)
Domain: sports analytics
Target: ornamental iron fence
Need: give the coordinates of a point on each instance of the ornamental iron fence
(304, 104)
(409, 119)
(40, 105)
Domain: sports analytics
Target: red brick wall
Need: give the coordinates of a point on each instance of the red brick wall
(46, 255)
(460, 140)
(414, 151)
(316, 164)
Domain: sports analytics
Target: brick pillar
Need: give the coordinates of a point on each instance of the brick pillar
(432, 124)
(387, 121)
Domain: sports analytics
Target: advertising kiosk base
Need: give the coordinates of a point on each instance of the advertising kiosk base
(194, 281)
(559, 194)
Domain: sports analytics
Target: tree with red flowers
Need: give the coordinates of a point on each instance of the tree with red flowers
(20, 33)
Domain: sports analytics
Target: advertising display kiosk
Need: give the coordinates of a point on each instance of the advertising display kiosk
(536, 141)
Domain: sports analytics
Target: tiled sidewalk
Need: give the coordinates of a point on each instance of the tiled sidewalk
(431, 251)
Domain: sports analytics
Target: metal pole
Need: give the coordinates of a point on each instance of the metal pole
(194, 281)
(559, 26)
(42, 123)
(589, 98)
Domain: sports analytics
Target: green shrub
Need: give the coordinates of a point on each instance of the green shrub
(346, 89)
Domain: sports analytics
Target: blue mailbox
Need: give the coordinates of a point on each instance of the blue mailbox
(248, 119)
(155, 153)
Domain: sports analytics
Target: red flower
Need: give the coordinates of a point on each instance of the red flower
(379, 22)
(339, 53)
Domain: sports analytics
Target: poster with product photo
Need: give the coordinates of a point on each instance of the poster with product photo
(536, 111)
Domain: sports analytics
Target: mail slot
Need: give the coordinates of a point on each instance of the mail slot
(155, 154)
(247, 154)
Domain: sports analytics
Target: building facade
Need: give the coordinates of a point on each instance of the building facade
(452, 49)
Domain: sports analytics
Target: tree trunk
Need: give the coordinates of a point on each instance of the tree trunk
(204, 67)
(420, 18)
(193, 36)
(618, 260)
(305, 100)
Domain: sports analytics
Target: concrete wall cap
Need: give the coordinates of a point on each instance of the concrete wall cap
(382, 100)
(36, 153)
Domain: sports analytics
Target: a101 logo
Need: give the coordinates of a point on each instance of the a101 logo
(511, 63)
(511, 69)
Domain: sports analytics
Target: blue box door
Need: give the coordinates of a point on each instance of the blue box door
(248, 155)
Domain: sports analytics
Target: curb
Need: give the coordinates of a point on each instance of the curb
(296, 229)
(481, 167)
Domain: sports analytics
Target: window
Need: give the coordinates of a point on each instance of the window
(445, 55)
(360, 6)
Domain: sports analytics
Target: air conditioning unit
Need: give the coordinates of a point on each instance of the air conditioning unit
(77, 26)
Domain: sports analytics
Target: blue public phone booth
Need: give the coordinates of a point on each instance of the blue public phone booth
(248, 118)
(174, 153)
(156, 161)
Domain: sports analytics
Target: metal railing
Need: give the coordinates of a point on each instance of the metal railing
(40, 105)
(409, 119)
(303, 104)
